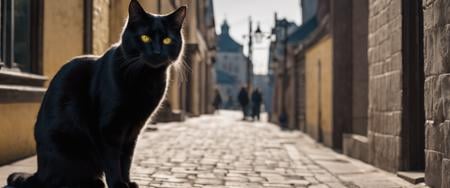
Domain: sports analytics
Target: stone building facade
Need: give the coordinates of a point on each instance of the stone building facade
(396, 86)
(390, 84)
(437, 91)
(231, 67)
(279, 70)
(51, 33)
(385, 84)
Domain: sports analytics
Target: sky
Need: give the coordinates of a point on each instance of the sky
(237, 13)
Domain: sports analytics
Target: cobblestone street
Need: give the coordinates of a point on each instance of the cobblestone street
(223, 151)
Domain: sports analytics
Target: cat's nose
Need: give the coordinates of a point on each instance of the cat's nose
(156, 49)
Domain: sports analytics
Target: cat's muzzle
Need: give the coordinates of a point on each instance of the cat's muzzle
(157, 61)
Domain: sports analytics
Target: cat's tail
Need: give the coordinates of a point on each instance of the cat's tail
(22, 180)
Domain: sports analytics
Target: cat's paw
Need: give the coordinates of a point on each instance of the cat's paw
(98, 183)
(133, 185)
(120, 185)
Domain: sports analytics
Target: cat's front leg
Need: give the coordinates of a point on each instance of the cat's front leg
(126, 160)
(128, 151)
(112, 149)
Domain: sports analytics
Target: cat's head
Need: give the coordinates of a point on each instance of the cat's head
(153, 39)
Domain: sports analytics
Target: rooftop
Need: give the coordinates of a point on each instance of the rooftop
(225, 42)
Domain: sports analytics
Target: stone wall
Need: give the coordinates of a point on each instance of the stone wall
(100, 26)
(63, 34)
(319, 90)
(360, 66)
(437, 91)
(301, 99)
(385, 83)
(17, 119)
(290, 96)
(342, 33)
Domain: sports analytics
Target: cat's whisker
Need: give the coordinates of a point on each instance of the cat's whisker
(182, 70)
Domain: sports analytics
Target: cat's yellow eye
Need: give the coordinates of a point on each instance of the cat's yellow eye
(167, 41)
(145, 39)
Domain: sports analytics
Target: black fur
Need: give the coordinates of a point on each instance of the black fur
(95, 107)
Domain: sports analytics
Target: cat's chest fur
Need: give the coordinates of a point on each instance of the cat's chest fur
(139, 103)
(128, 95)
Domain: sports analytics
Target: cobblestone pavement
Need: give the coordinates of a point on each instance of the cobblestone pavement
(222, 151)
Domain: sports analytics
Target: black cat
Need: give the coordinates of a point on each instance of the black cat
(95, 107)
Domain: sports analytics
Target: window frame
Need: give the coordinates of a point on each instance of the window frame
(36, 35)
(7, 33)
(37, 27)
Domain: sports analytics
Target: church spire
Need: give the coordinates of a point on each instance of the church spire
(225, 27)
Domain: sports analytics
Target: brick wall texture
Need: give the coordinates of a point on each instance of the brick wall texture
(385, 83)
(437, 91)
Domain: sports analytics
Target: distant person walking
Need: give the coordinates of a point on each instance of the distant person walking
(256, 104)
(243, 101)
(283, 120)
(217, 103)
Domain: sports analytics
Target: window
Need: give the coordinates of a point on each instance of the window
(21, 35)
(22, 38)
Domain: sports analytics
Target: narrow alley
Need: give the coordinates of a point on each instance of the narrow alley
(351, 93)
(223, 151)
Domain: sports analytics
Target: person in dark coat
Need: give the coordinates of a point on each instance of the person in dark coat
(243, 101)
(256, 104)
(217, 103)
(283, 120)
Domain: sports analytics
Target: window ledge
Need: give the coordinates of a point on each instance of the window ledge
(8, 77)
(15, 93)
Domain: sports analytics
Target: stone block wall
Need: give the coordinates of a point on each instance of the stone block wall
(437, 91)
(385, 83)
(100, 26)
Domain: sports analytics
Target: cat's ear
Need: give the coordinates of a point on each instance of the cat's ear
(176, 18)
(135, 11)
